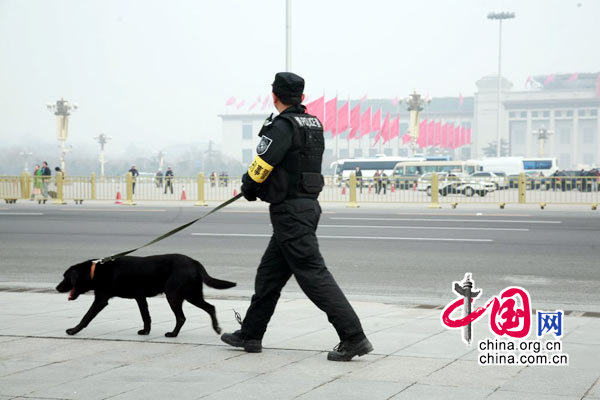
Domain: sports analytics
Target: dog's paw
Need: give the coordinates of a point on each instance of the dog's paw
(71, 331)
(170, 334)
(143, 331)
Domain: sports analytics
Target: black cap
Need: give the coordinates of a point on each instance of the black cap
(288, 86)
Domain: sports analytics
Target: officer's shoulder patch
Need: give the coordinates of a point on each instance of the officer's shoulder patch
(263, 145)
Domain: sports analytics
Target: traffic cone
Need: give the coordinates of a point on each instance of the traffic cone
(393, 187)
(118, 201)
(235, 192)
(183, 196)
(344, 190)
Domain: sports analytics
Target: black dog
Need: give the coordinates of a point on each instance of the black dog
(178, 276)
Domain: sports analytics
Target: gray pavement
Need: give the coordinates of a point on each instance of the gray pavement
(414, 356)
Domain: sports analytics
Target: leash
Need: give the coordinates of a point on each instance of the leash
(172, 232)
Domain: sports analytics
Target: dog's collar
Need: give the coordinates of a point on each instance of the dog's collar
(92, 270)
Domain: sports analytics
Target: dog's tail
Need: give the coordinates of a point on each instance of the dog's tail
(213, 282)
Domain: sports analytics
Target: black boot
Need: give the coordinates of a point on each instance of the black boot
(347, 349)
(239, 339)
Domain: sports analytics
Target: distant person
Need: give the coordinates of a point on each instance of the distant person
(46, 174)
(37, 181)
(358, 175)
(57, 170)
(134, 173)
(169, 180)
(213, 178)
(377, 181)
(158, 179)
(383, 182)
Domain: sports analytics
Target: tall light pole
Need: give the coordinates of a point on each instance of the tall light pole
(25, 154)
(288, 35)
(415, 105)
(62, 109)
(542, 135)
(102, 139)
(501, 16)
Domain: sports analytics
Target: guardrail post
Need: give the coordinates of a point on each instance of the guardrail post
(25, 185)
(352, 183)
(129, 200)
(522, 188)
(59, 189)
(200, 201)
(93, 183)
(435, 192)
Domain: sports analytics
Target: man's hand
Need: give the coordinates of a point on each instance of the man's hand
(248, 194)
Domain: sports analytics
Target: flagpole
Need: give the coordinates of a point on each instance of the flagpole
(288, 35)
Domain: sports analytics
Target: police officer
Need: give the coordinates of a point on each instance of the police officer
(287, 174)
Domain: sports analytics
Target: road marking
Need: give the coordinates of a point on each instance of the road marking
(350, 237)
(425, 227)
(466, 214)
(20, 213)
(512, 221)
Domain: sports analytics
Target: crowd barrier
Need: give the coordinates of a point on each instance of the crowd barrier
(128, 190)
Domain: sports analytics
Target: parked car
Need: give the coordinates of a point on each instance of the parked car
(449, 183)
(499, 181)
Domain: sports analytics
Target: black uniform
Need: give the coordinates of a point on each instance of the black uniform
(287, 173)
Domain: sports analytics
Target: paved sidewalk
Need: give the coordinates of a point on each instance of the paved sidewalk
(414, 356)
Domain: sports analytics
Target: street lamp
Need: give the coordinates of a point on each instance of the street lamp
(542, 135)
(25, 154)
(501, 16)
(102, 139)
(415, 105)
(62, 109)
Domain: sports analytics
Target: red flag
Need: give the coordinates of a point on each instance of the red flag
(266, 101)
(342, 118)
(460, 100)
(430, 133)
(468, 139)
(422, 139)
(598, 86)
(363, 98)
(365, 122)
(549, 79)
(395, 101)
(376, 122)
(444, 136)
(395, 128)
(437, 134)
(573, 77)
(316, 108)
(252, 106)
(451, 136)
(331, 116)
(384, 133)
(354, 121)
(240, 104)
(528, 81)
(405, 138)
(230, 101)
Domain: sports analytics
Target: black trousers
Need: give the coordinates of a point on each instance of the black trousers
(294, 250)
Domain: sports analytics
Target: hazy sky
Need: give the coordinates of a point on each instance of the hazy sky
(159, 72)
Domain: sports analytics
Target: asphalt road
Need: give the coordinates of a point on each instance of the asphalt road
(395, 254)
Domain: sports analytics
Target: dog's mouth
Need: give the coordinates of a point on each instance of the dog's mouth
(72, 294)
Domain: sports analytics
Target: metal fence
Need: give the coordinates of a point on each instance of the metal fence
(128, 190)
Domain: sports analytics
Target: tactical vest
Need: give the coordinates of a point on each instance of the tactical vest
(298, 175)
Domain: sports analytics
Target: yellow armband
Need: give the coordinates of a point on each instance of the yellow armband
(259, 170)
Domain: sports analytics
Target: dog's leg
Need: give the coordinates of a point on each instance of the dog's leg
(176, 303)
(97, 306)
(199, 302)
(143, 305)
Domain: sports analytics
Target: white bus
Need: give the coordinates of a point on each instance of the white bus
(545, 166)
(406, 173)
(341, 169)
